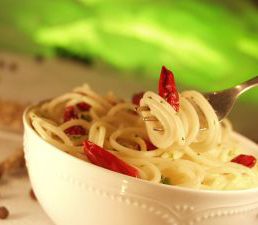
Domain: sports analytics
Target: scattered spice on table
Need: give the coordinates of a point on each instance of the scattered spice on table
(13, 66)
(2, 64)
(14, 161)
(11, 115)
(39, 58)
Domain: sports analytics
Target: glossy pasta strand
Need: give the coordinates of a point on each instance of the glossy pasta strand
(185, 155)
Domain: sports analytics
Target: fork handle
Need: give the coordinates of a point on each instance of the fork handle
(241, 88)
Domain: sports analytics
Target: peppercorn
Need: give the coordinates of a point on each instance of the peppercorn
(4, 213)
(2, 64)
(13, 66)
(39, 58)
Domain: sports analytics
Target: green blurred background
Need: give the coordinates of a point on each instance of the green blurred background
(209, 45)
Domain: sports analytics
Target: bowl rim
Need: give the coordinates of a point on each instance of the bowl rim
(236, 135)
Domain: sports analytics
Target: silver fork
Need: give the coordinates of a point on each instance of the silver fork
(221, 101)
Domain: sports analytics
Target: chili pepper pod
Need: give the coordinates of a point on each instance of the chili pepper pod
(101, 157)
(245, 160)
(167, 88)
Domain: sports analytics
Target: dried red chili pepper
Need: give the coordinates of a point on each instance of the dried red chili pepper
(167, 88)
(149, 145)
(75, 130)
(83, 106)
(105, 159)
(69, 113)
(245, 160)
(137, 98)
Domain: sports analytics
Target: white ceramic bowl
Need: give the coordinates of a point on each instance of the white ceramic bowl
(74, 192)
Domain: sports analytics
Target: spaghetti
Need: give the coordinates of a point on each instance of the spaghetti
(190, 148)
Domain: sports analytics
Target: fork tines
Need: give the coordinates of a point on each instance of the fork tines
(152, 118)
(149, 118)
(142, 108)
(158, 129)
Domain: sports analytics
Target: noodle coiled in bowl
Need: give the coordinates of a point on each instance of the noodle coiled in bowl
(186, 173)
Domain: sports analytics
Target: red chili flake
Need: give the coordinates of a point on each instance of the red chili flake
(167, 88)
(83, 106)
(245, 160)
(105, 159)
(75, 130)
(70, 113)
(149, 145)
(137, 98)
